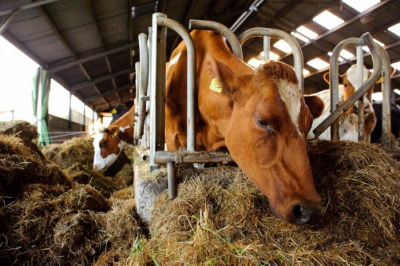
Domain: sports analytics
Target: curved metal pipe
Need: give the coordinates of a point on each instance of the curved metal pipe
(144, 75)
(222, 29)
(297, 53)
(334, 86)
(386, 101)
(191, 76)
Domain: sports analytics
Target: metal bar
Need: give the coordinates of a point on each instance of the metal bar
(334, 69)
(8, 20)
(144, 73)
(297, 53)
(82, 85)
(70, 112)
(91, 58)
(27, 6)
(137, 87)
(191, 76)
(360, 81)
(171, 180)
(147, 120)
(157, 106)
(222, 29)
(386, 102)
(144, 98)
(266, 44)
(334, 82)
(340, 26)
(193, 157)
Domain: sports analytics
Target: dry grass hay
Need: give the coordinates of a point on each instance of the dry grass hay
(20, 165)
(125, 176)
(51, 151)
(53, 226)
(227, 220)
(76, 150)
(82, 174)
(126, 193)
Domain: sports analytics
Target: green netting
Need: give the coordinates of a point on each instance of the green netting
(35, 93)
(44, 137)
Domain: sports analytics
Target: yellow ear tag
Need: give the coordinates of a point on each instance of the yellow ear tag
(114, 111)
(216, 85)
(115, 133)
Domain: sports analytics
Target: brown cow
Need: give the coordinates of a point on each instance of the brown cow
(259, 115)
(110, 142)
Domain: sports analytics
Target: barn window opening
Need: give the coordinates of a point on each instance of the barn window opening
(395, 29)
(300, 37)
(283, 46)
(361, 6)
(317, 63)
(365, 48)
(272, 55)
(144, 9)
(254, 62)
(396, 65)
(397, 91)
(305, 72)
(328, 20)
(307, 32)
(340, 59)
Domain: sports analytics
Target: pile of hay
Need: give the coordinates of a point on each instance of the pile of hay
(219, 217)
(75, 157)
(46, 219)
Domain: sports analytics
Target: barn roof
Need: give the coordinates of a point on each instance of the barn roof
(91, 46)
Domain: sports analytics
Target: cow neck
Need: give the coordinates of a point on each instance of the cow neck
(125, 125)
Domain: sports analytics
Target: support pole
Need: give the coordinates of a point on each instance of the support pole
(266, 44)
(157, 107)
(171, 180)
(360, 78)
(144, 75)
(386, 101)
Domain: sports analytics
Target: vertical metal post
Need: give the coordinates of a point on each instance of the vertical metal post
(144, 73)
(171, 180)
(12, 115)
(266, 43)
(386, 102)
(92, 120)
(157, 97)
(360, 78)
(334, 88)
(137, 87)
(147, 122)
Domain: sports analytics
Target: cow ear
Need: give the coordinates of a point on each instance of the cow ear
(114, 132)
(326, 77)
(315, 104)
(222, 76)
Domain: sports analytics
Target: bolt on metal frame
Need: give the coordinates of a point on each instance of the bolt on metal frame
(267, 33)
(332, 120)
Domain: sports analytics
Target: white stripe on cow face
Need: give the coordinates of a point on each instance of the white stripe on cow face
(291, 95)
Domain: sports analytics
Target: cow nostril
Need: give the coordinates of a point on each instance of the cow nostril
(300, 215)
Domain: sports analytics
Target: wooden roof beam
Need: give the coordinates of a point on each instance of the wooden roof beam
(27, 6)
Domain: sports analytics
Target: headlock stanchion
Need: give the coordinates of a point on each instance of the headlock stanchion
(222, 29)
(266, 33)
(336, 111)
(386, 101)
(157, 103)
(142, 89)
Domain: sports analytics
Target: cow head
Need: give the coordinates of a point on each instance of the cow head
(350, 82)
(108, 144)
(266, 135)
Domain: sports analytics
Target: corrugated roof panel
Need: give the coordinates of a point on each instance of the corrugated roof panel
(83, 32)
(109, 8)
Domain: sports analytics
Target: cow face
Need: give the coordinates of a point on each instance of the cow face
(107, 146)
(266, 135)
(349, 81)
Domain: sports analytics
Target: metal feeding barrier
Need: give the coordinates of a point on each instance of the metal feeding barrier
(379, 57)
(267, 33)
(150, 88)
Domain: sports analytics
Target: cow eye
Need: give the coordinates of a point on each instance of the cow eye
(102, 145)
(345, 85)
(261, 122)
